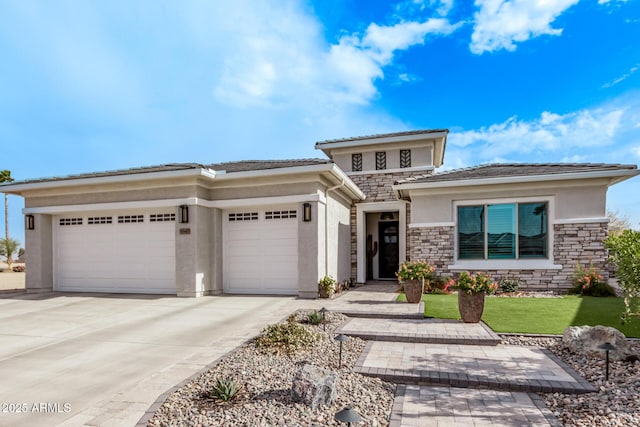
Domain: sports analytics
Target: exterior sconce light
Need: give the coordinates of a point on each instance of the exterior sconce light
(347, 415)
(606, 347)
(341, 338)
(306, 215)
(29, 222)
(184, 214)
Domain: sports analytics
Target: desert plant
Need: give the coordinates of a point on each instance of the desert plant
(509, 284)
(285, 337)
(225, 389)
(589, 282)
(18, 269)
(8, 247)
(625, 254)
(315, 317)
(328, 285)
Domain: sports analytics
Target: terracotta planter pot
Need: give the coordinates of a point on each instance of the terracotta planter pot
(413, 290)
(470, 306)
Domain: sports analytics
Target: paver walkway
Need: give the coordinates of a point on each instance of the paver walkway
(420, 330)
(451, 373)
(503, 367)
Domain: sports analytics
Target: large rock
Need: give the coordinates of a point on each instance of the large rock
(586, 339)
(314, 386)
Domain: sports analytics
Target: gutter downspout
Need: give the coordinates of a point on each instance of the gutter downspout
(326, 224)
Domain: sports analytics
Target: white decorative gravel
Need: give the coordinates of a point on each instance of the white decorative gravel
(267, 382)
(617, 403)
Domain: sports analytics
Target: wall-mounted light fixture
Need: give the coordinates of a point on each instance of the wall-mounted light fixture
(184, 214)
(29, 222)
(306, 215)
(386, 216)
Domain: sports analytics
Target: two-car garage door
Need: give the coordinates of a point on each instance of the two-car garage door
(261, 251)
(130, 252)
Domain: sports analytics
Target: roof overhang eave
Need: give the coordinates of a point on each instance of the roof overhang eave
(18, 188)
(614, 177)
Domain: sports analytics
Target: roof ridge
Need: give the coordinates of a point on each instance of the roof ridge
(383, 135)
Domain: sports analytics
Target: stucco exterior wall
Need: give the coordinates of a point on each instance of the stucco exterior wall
(573, 243)
(193, 254)
(260, 188)
(339, 239)
(421, 156)
(310, 252)
(577, 201)
(39, 256)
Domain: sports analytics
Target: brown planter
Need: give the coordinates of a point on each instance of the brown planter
(413, 290)
(470, 306)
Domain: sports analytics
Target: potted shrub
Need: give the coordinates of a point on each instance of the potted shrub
(413, 275)
(327, 287)
(471, 291)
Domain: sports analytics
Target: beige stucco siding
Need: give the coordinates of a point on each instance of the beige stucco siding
(339, 239)
(570, 202)
(258, 190)
(421, 156)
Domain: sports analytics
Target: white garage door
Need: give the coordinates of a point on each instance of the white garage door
(261, 251)
(132, 252)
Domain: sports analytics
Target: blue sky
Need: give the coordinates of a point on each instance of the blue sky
(91, 86)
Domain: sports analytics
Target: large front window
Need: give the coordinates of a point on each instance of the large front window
(502, 231)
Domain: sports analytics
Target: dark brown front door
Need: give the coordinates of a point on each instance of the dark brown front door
(388, 250)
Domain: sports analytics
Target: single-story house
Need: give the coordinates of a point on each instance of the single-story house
(277, 227)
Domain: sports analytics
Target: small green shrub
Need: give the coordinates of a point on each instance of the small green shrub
(509, 285)
(437, 285)
(286, 337)
(327, 285)
(625, 254)
(225, 389)
(315, 317)
(589, 282)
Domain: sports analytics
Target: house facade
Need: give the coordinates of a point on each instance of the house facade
(277, 227)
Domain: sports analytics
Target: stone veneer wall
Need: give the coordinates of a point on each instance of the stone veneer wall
(377, 188)
(573, 243)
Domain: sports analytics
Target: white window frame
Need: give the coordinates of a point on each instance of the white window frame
(507, 264)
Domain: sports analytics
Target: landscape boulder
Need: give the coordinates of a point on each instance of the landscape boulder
(314, 386)
(587, 339)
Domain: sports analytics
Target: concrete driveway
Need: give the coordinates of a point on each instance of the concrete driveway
(98, 359)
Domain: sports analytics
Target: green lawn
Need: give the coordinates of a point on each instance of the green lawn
(538, 315)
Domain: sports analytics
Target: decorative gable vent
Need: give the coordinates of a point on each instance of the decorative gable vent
(405, 158)
(162, 217)
(356, 162)
(381, 160)
(99, 220)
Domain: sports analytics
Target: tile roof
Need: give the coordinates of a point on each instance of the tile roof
(229, 167)
(505, 170)
(384, 135)
(252, 165)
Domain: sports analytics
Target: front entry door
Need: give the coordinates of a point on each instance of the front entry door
(389, 249)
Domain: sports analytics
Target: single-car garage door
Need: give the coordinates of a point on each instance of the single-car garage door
(132, 252)
(261, 251)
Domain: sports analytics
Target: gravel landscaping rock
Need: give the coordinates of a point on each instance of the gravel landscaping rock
(617, 402)
(267, 379)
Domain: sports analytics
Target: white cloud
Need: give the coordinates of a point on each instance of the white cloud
(501, 24)
(291, 59)
(622, 78)
(549, 133)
